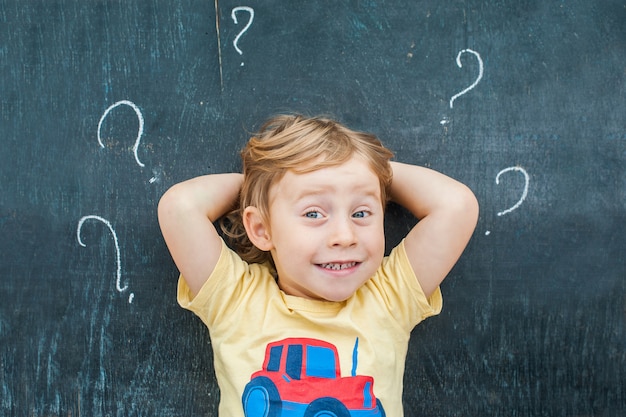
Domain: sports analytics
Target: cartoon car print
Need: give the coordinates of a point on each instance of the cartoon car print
(301, 377)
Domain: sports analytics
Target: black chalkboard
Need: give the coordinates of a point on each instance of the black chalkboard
(105, 104)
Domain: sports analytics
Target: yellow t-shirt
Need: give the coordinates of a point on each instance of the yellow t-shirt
(351, 354)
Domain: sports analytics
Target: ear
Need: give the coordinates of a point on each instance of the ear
(256, 228)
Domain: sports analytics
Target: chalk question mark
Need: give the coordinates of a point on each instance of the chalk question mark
(460, 65)
(474, 84)
(117, 250)
(233, 15)
(524, 192)
(139, 129)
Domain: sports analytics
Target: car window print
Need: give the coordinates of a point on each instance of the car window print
(301, 377)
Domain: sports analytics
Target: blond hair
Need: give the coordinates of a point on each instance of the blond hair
(299, 144)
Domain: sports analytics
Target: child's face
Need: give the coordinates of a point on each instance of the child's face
(326, 230)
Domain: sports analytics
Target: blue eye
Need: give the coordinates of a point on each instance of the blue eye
(313, 214)
(360, 214)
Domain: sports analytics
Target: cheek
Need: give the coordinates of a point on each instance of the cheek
(372, 242)
(286, 242)
(378, 241)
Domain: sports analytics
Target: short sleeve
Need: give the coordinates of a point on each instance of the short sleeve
(400, 290)
(228, 291)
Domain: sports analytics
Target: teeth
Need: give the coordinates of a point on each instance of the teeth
(338, 267)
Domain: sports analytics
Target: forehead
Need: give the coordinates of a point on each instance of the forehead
(354, 176)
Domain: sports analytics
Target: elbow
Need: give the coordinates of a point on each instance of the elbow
(164, 206)
(169, 203)
(467, 205)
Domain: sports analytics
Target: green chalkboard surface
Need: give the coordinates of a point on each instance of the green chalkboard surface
(106, 104)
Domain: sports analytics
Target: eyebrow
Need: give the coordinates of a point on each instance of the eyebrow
(320, 190)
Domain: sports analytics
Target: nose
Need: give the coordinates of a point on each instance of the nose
(342, 233)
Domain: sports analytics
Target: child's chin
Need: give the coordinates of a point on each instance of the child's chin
(339, 297)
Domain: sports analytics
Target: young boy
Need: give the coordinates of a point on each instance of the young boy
(309, 317)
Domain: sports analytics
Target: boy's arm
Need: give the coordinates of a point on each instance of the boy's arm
(447, 211)
(186, 215)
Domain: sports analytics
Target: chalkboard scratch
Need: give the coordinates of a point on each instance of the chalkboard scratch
(219, 43)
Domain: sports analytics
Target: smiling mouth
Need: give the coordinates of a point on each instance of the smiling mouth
(338, 266)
